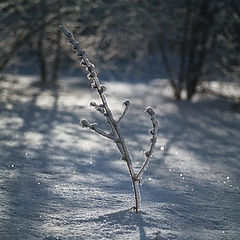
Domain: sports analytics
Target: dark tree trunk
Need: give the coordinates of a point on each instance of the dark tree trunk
(169, 70)
(41, 47)
(57, 59)
(183, 48)
(21, 39)
(42, 59)
(198, 47)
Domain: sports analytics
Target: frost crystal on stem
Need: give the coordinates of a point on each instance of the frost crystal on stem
(103, 108)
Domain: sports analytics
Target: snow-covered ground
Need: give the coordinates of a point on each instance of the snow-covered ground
(59, 181)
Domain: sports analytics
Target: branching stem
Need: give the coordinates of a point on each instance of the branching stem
(115, 134)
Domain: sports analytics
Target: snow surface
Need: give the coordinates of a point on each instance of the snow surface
(59, 181)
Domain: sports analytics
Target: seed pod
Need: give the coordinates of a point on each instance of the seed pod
(93, 104)
(90, 76)
(85, 123)
(93, 85)
(127, 102)
(150, 111)
(91, 67)
(147, 154)
(102, 89)
(151, 131)
(82, 62)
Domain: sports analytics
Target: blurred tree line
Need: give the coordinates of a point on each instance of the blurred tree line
(196, 39)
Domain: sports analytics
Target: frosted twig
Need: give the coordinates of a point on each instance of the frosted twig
(98, 107)
(103, 108)
(93, 126)
(153, 140)
(127, 103)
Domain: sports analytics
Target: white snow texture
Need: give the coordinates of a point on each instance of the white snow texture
(60, 181)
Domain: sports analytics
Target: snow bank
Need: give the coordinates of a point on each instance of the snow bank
(58, 181)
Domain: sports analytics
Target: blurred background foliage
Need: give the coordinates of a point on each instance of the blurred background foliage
(187, 41)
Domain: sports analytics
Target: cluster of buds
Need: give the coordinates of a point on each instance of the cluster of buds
(84, 61)
(99, 107)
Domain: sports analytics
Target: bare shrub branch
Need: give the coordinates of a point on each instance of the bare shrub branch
(103, 108)
(153, 132)
(127, 103)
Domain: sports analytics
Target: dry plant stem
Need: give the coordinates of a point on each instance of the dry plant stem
(104, 109)
(127, 106)
(153, 132)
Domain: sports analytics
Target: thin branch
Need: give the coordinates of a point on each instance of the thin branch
(127, 103)
(153, 132)
(93, 126)
(92, 75)
(99, 107)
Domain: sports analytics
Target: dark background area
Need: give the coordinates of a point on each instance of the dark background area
(187, 41)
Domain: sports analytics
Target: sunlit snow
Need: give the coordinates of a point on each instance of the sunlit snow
(60, 181)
